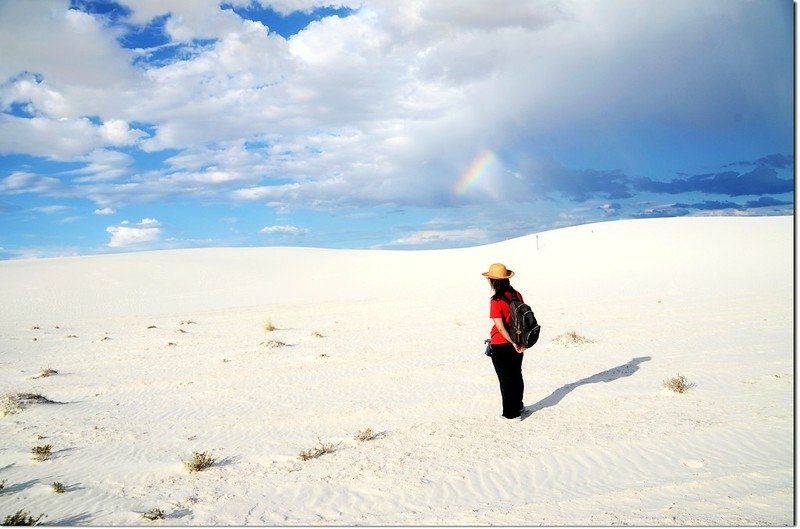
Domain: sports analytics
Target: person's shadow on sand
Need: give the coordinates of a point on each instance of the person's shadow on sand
(609, 375)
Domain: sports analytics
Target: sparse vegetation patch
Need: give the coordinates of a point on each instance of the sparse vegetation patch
(318, 451)
(22, 518)
(269, 326)
(153, 514)
(273, 344)
(571, 339)
(365, 435)
(200, 461)
(12, 403)
(678, 384)
(41, 453)
(59, 488)
(47, 372)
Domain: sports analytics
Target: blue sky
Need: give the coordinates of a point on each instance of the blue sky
(140, 125)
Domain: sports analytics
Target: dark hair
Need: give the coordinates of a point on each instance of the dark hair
(501, 286)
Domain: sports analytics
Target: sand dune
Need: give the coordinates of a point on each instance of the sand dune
(163, 354)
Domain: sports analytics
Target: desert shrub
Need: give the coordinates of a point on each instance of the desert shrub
(678, 384)
(47, 372)
(200, 461)
(41, 453)
(11, 403)
(269, 326)
(2, 485)
(22, 518)
(318, 451)
(571, 339)
(153, 514)
(365, 435)
(273, 344)
(59, 488)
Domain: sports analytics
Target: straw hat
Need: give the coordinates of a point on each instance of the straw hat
(498, 271)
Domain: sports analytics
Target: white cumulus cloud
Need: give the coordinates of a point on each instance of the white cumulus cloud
(283, 230)
(126, 234)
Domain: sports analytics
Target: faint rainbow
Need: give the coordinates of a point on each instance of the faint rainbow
(475, 170)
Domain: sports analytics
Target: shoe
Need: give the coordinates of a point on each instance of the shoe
(503, 418)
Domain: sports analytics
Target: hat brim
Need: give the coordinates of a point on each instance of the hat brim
(490, 276)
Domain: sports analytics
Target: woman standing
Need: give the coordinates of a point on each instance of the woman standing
(506, 356)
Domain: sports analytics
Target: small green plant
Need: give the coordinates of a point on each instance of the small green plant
(22, 518)
(41, 453)
(365, 435)
(318, 451)
(200, 461)
(678, 384)
(154, 514)
(59, 488)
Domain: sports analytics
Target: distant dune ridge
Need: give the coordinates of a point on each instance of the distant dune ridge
(162, 357)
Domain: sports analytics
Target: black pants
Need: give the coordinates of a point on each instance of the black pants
(508, 366)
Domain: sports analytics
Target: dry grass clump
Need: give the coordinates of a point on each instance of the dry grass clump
(153, 514)
(12, 403)
(59, 488)
(47, 372)
(200, 461)
(678, 384)
(365, 435)
(273, 344)
(41, 453)
(318, 451)
(571, 339)
(269, 326)
(22, 518)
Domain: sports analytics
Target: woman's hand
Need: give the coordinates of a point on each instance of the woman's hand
(501, 326)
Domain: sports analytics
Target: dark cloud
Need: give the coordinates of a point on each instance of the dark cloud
(766, 177)
(762, 180)
(709, 205)
(680, 209)
(658, 213)
(764, 202)
(778, 161)
(582, 185)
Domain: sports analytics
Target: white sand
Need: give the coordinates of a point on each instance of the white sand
(393, 341)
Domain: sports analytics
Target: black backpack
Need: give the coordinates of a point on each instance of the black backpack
(524, 328)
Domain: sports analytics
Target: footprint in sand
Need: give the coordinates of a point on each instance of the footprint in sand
(694, 463)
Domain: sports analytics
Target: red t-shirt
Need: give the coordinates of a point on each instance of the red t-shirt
(499, 308)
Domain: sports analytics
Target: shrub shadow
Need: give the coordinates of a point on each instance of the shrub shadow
(609, 375)
(77, 519)
(17, 487)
